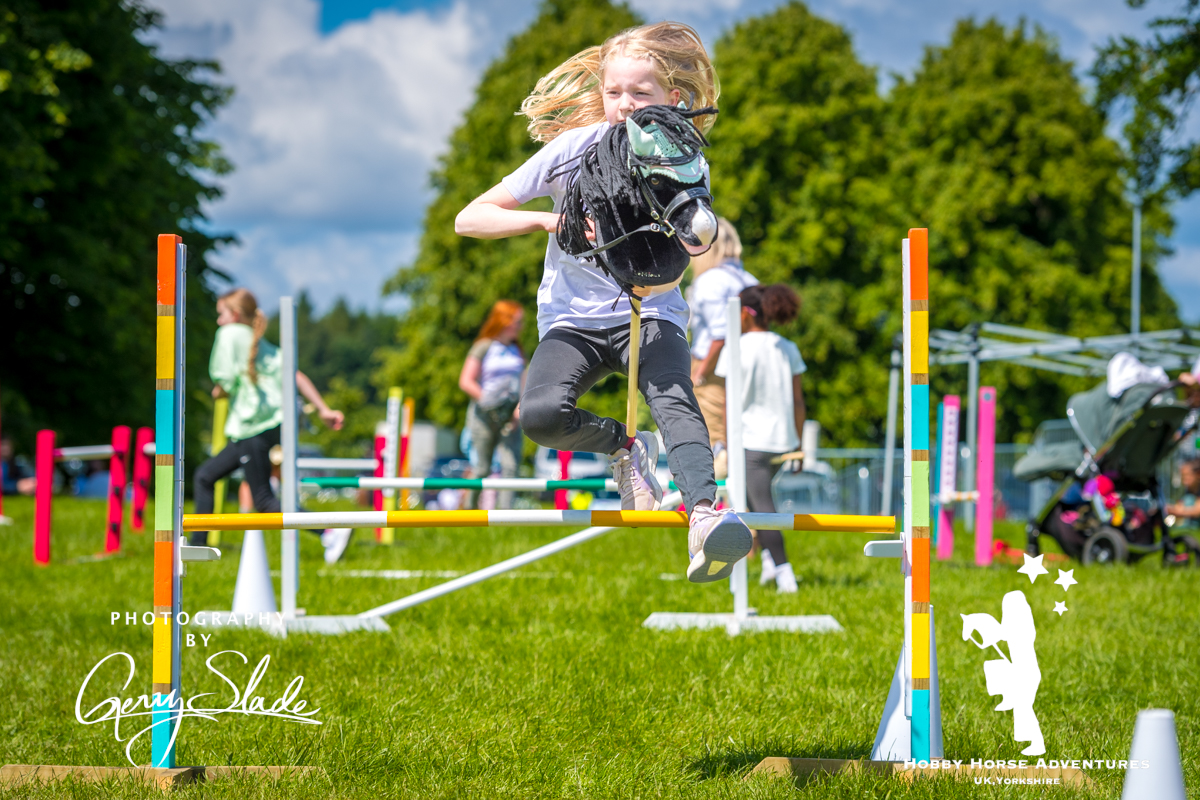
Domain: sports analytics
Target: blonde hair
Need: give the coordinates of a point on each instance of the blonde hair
(246, 307)
(727, 246)
(570, 96)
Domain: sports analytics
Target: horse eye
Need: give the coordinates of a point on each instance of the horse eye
(656, 181)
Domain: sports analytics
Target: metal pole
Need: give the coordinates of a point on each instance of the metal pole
(1135, 300)
(735, 484)
(972, 436)
(889, 444)
(290, 554)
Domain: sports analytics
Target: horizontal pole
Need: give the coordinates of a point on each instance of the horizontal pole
(336, 463)
(84, 452)
(511, 484)
(567, 542)
(837, 523)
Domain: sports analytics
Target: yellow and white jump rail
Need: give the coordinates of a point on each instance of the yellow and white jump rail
(830, 523)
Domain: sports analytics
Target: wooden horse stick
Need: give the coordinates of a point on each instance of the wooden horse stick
(635, 351)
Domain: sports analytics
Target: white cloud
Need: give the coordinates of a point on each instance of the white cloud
(334, 134)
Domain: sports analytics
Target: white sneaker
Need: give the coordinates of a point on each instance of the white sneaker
(716, 541)
(785, 579)
(634, 473)
(335, 541)
(769, 569)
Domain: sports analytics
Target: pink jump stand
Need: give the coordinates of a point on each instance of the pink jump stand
(948, 474)
(564, 474)
(121, 436)
(143, 470)
(985, 468)
(44, 469)
(377, 495)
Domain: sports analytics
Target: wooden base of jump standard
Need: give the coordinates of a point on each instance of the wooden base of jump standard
(19, 774)
(800, 769)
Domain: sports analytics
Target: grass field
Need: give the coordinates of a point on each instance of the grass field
(546, 685)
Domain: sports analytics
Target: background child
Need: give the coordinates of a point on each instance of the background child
(583, 317)
(772, 408)
(492, 375)
(247, 369)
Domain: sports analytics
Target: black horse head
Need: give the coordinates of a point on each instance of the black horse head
(643, 185)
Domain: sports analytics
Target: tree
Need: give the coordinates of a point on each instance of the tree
(454, 281)
(1159, 80)
(98, 154)
(797, 162)
(995, 149)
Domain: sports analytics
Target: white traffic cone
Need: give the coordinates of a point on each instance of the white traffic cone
(1155, 751)
(254, 592)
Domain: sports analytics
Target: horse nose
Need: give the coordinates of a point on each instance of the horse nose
(704, 225)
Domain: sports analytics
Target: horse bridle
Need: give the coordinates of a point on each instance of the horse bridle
(660, 214)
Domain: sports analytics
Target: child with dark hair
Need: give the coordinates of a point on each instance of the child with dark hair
(772, 408)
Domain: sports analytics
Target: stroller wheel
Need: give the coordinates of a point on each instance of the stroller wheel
(1106, 546)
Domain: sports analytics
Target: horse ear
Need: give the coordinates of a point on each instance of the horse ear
(640, 142)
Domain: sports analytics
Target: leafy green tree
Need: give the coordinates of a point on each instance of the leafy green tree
(1158, 79)
(996, 150)
(454, 281)
(98, 154)
(797, 162)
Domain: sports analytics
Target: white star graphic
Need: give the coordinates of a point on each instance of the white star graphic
(1059, 608)
(1066, 579)
(1033, 567)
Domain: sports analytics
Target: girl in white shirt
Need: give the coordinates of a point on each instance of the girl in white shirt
(582, 317)
(772, 408)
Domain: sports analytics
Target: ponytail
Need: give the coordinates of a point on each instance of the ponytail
(248, 313)
(776, 304)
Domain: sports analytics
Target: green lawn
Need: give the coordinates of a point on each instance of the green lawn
(546, 685)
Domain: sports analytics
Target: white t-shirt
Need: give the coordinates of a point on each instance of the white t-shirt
(575, 293)
(768, 415)
(707, 297)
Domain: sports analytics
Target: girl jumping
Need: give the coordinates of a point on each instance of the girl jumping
(583, 317)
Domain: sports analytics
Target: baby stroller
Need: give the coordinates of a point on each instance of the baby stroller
(1108, 506)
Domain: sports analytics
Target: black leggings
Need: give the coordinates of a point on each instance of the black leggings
(759, 472)
(253, 456)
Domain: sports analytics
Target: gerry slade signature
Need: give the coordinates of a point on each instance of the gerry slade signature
(246, 702)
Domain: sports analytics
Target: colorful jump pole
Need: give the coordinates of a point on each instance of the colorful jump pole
(407, 415)
(985, 474)
(916, 484)
(168, 496)
(829, 523)
(475, 484)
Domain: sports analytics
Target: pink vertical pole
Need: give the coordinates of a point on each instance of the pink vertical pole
(116, 487)
(377, 496)
(985, 472)
(143, 468)
(44, 469)
(948, 474)
(564, 474)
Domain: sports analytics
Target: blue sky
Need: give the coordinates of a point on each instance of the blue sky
(343, 106)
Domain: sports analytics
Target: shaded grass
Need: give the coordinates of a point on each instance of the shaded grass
(548, 686)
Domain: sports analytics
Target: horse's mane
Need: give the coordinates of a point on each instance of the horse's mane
(601, 178)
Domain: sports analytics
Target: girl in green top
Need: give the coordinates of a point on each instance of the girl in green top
(248, 370)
